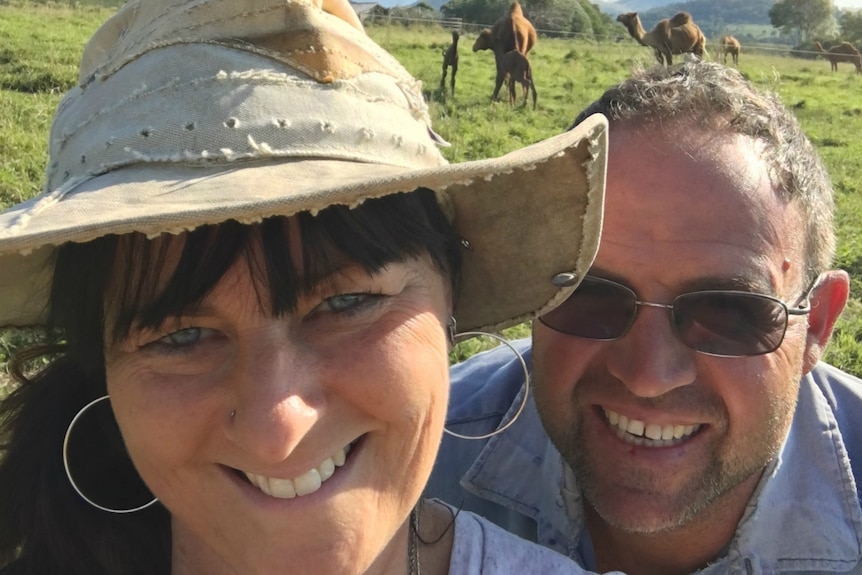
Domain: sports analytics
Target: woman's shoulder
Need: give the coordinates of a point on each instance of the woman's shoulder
(481, 546)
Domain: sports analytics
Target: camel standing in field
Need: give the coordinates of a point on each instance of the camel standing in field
(729, 45)
(843, 52)
(511, 32)
(676, 35)
(517, 69)
(450, 60)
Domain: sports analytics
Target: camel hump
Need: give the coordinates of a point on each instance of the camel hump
(663, 27)
(515, 9)
(680, 19)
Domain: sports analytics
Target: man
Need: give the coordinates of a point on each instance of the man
(681, 421)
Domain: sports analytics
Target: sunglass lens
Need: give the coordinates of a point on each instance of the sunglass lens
(598, 309)
(731, 324)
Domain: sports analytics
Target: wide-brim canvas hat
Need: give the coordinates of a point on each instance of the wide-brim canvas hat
(201, 111)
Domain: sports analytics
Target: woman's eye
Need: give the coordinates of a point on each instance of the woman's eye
(182, 338)
(349, 303)
(345, 302)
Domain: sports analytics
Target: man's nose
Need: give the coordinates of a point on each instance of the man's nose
(650, 359)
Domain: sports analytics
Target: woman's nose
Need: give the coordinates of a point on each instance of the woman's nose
(277, 398)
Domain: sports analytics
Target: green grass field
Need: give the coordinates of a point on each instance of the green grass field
(42, 44)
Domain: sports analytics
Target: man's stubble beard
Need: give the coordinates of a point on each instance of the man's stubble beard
(721, 475)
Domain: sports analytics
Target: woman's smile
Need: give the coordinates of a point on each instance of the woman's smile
(304, 484)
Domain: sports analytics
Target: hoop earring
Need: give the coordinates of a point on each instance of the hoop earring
(509, 423)
(68, 470)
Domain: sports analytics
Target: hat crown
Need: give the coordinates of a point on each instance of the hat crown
(215, 81)
(323, 38)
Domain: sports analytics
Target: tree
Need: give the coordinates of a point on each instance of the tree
(550, 17)
(802, 16)
(476, 11)
(851, 26)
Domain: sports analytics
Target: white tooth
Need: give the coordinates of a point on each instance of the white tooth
(688, 429)
(281, 488)
(308, 482)
(613, 416)
(258, 481)
(667, 432)
(326, 469)
(678, 431)
(653, 431)
(339, 458)
(635, 427)
(623, 423)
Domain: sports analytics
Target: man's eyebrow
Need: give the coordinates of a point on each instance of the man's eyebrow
(737, 282)
(751, 284)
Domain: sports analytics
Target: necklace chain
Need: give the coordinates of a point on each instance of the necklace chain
(412, 543)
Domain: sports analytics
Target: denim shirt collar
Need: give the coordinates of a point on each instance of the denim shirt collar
(805, 514)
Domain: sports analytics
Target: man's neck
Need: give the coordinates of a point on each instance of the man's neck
(676, 552)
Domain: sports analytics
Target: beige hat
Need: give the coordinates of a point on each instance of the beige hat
(192, 112)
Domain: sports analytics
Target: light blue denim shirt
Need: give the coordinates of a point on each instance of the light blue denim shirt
(804, 517)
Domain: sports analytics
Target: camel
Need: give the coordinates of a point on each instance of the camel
(843, 52)
(729, 45)
(450, 59)
(676, 35)
(517, 69)
(511, 32)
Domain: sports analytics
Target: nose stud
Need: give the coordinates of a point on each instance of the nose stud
(232, 413)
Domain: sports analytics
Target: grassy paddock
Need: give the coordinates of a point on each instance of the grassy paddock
(43, 42)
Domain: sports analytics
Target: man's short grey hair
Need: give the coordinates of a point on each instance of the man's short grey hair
(711, 96)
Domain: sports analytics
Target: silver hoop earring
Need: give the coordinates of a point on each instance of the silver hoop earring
(67, 467)
(521, 407)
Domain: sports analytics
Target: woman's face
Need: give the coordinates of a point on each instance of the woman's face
(290, 444)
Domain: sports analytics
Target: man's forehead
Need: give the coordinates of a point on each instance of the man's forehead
(703, 204)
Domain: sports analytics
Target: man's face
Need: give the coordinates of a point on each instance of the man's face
(687, 214)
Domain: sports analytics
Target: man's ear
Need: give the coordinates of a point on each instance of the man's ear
(827, 303)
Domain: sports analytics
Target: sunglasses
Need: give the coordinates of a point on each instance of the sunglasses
(725, 323)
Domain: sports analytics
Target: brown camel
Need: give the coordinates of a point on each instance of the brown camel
(511, 32)
(729, 45)
(676, 35)
(843, 52)
(517, 69)
(450, 59)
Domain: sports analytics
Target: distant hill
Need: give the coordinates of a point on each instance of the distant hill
(712, 14)
(620, 6)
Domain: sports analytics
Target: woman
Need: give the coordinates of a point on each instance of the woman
(253, 253)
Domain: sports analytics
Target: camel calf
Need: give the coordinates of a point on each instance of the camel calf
(450, 59)
(516, 68)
